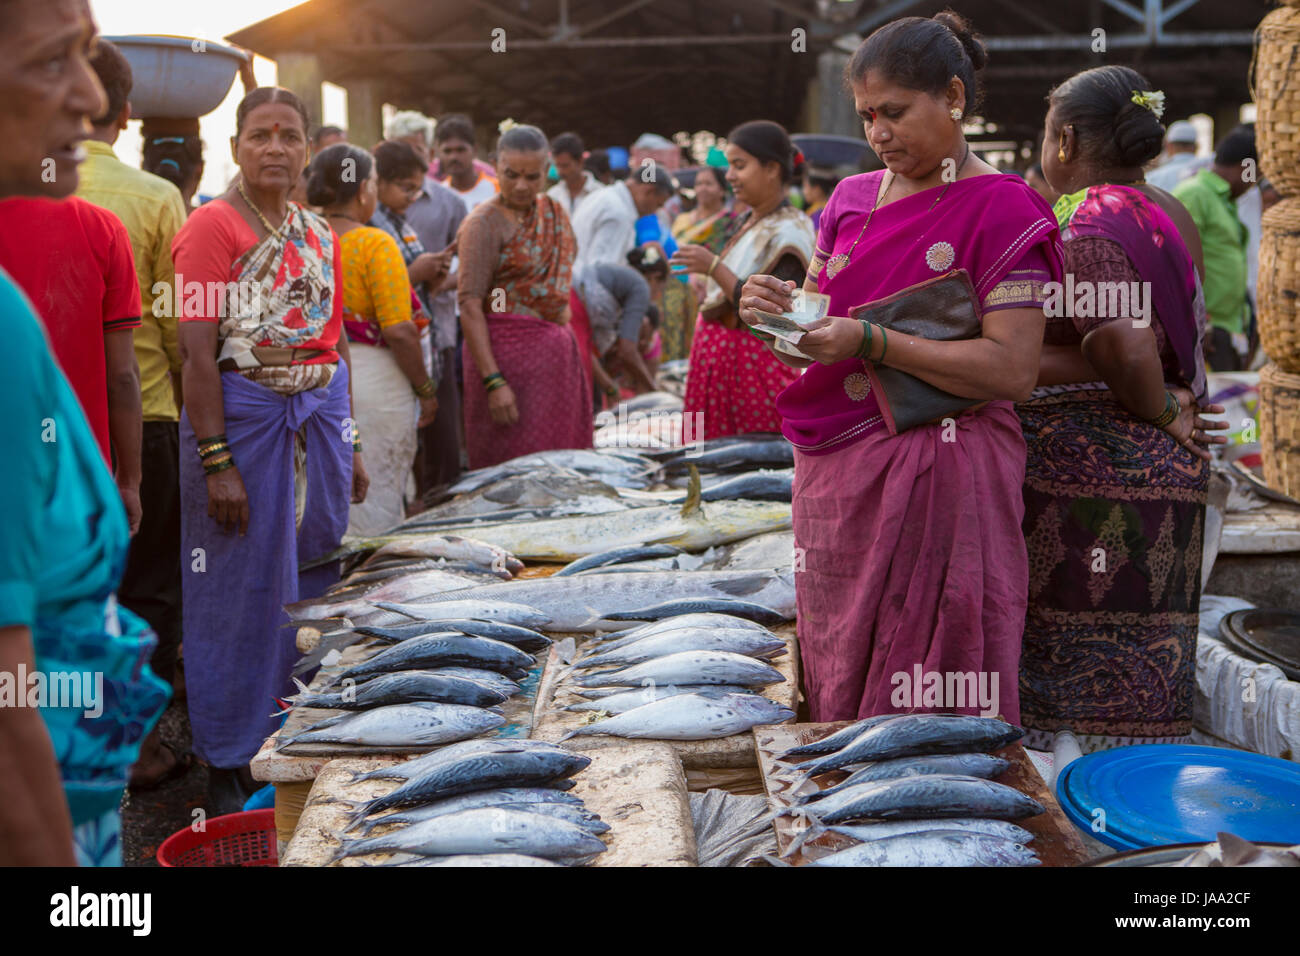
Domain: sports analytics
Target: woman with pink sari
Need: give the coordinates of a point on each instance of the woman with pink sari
(525, 386)
(915, 567)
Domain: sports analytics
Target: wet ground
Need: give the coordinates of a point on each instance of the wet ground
(150, 816)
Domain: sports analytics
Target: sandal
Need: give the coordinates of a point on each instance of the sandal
(181, 765)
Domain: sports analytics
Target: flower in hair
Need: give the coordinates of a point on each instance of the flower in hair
(506, 125)
(1154, 100)
(650, 256)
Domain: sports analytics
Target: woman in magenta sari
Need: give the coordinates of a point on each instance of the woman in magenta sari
(525, 386)
(914, 561)
(1118, 468)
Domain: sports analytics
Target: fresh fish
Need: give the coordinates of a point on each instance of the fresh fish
(929, 795)
(753, 486)
(738, 456)
(570, 538)
(934, 848)
(444, 649)
(749, 643)
(680, 606)
(475, 860)
(539, 489)
(521, 767)
(635, 552)
(418, 766)
(740, 629)
(773, 550)
(449, 608)
(622, 470)
(879, 831)
(415, 587)
(403, 687)
(484, 830)
(580, 602)
(727, 621)
(401, 725)
(696, 448)
(679, 562)
(523, 638)
(509, 796)
(689, 667)
(492, 679)
(690, 717)
(618, 700)
(574, 813)
(967, 765)
(911, 734)
(841, 738)
(452, 547)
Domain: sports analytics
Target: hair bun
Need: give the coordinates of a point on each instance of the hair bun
(320, 192)
(1139, 136)
(970, 41)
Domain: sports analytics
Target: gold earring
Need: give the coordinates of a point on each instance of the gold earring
(1060, 154)
(955, 114)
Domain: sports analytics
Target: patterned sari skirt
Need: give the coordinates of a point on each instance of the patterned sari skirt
(1114, 516)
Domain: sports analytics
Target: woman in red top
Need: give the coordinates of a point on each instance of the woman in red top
(268, 445)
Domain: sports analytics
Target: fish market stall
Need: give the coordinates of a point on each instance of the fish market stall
(636, 789)
(1052, 838)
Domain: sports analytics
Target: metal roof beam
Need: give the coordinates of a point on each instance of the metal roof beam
(1123, 40)
(578, 29)
(482, 46)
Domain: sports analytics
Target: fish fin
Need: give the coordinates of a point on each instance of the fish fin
(574, 733)
(692, 503)
(595, 616)
(812, 832)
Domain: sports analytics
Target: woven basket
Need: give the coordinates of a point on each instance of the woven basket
(1278, 287)
(1279, 428)
(1276, 83)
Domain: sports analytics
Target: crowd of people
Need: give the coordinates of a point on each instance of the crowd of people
(205, 395)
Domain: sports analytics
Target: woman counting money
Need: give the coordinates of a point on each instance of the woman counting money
(269, 453)
(911, 537)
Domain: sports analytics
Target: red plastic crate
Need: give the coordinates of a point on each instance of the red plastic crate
(236, 839)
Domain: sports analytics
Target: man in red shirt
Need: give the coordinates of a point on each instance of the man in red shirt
(74, 261)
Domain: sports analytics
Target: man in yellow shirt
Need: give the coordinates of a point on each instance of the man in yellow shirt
(152, 210)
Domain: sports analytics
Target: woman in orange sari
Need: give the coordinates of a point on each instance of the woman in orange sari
(525, 387)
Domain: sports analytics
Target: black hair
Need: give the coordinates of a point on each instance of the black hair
(824, 180)
(114, 74)
(333, 180)
(652, 313)
(664, 182)
(268, 94)
(717, 174)
(522, 139)
(397, 160)
(174, 158)
(924, 53)
(1110, 128)
(454, 126)
(768, 142)
(636, 259)
(570, 144)
(598, 162)
(1237, 147)
(324, 131)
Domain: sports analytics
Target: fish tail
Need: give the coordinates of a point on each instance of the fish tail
(814, 830)
(580, 732)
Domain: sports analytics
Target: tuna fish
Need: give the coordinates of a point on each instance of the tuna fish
(485, 830)
(968, 765)
(401, 725)
(621, 700)
(403, 687)
(929, 795)
(418, 766)
(934, 848)
(841, 738)
(689, 667)
(747, 609)
(523, 638)
(465, 606)
(913, 734)
(622, 555)
(444, 649)
(750, 643)
(728, 621)
(690, 717)
(516, 797)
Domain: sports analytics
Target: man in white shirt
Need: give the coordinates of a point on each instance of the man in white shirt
(453, 137)
(605, 224)
(1180, 160)
(576, 183)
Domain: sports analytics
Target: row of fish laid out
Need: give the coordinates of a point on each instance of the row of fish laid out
(687, 676)
(919, 792)
(476, 803)
(426, 684)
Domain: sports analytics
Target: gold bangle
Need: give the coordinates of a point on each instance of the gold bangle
(426, 389)
(712, 265)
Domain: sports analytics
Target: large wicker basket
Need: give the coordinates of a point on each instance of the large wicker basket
(1279, 428)
(1278, 287)
(1277, 98)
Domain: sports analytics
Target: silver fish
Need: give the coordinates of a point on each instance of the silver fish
(912, 734)
(749, 643)
(485, 830)
(508, 796)
(576, 814)
(934, 848)
(418, 766)
(524, 638)
(689, 667)
(443, 649)
(622, 555)
(929, 795)
(760, 485)
(774, 550)
(678, 606)
(403, 687)
(841, 738)
(451, 546)
(462, 606)
(690, 717)
(619, 700)
(617, 638)
(401, 725)
(966, 765)
(474, 860)
(489, 678)
(580, 602)
(620, 469)
(879, 831)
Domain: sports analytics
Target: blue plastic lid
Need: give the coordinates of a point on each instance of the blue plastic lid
(1157, 794)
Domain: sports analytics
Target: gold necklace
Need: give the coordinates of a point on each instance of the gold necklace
(266, 223)
(837, 262)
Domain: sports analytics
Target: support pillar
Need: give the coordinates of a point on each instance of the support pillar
(301, 73)
(365, 113)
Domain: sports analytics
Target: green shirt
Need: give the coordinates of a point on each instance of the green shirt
(1223, 242)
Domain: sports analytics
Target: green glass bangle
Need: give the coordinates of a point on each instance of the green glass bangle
(214, 469)
(884, 344)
